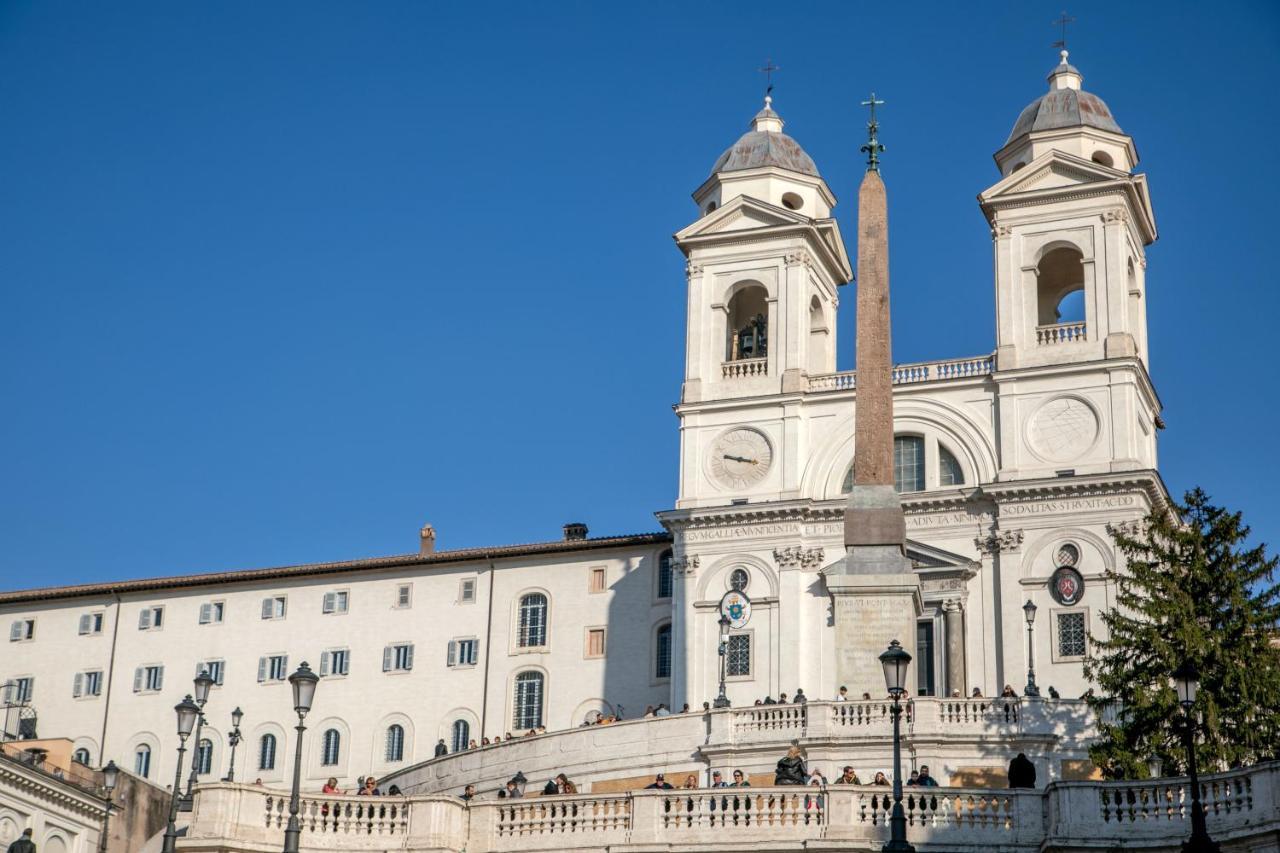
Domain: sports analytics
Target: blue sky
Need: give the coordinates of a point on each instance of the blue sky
(282, 281)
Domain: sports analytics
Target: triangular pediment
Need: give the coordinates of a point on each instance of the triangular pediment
(740, 214)
(928, 557)
(1052, 170)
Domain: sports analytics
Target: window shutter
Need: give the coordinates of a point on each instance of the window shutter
(77, 686)
(206, 614)
(15, 631)
(453, 653)
(346, 662)
(386, 658)
(330, 602)
(159, 678)
(85, 624)
(266, 608)
(408, 656)
(262, 669)
(324, 663)
(284, 667)
(475, 649)
(137, 680)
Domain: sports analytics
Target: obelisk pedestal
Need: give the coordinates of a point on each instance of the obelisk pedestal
(874, 589)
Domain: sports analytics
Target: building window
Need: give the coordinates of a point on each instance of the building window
(397, 657)
(908, 463)
(335, 662)
(22, 630)
(467, 591)
(81, 756)
(739, 579)
(148, 679)
(925, 677)
(335, 602)
(463, 652)
(142, 761)
(662, 652)
(949, 473)
(738, 656)
(151, 618)
(528, 705)
(666, 574)
(90, 624)
(215, 668)
(461, 735)
(595, 642)
(267, 752)
(1072, 634)
(273, 668)
(533, 620)
(404, 595)
(18, 691)
(211, 612)
(204, 757)
(274, 607)
(87, 684)
(597, 582)
(395, 743)
(331, 748)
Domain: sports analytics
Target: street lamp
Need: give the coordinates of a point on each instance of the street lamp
(187, 712)
(1029, 610)
(1186, 680)
(234, 740)
(303, 683)
(109, 775)
(895, 661)
(722, 701)
(202, 683)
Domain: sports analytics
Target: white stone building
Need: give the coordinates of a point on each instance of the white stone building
(1012, 465)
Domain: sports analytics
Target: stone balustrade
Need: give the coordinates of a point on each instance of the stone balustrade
(1061, 333)
(952, 736)
(1242, 811)
(744, 368)
(908, 374)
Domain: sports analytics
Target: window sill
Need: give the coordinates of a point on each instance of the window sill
(531, 650)
(396, 671)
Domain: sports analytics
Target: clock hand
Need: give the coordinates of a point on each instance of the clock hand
(741, 459)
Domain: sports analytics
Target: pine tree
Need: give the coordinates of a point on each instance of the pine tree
(1193, 590)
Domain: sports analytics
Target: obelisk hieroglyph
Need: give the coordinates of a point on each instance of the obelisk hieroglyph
(875, 592)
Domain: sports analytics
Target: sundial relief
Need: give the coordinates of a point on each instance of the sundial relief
(1063, 429)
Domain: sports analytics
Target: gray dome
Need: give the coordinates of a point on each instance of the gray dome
(757, 148)
(1065, 107)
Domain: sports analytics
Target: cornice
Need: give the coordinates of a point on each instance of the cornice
(39, 786)
(1065, 369)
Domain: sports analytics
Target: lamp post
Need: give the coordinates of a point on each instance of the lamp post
(303, 683)
(722, 701)
(234, 740)
(187, 711)
(895, 660)
(109, 775)
(1029, 610)
(1186, 680)
(202, 683)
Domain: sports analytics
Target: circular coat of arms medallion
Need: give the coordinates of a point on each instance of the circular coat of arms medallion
(735, 605)
(1066, 586)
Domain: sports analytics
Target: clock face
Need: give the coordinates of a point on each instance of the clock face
(740, 458)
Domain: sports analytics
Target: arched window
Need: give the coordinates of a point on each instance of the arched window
(819, 338)
(533, 620)
(1104, 158)
(748, 324)
(949, 473)
(267, 752)
(395, 742)
(528, 704)
(331, 748)
(662, 652)
(142, 761)
(665, 576)
(461, 735)
(204, 757)
(1060, 287)
(81, 756)
(908, 463)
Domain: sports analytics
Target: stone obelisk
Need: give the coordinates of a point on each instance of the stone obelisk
(875, 591)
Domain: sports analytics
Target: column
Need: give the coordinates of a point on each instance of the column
(953, 619)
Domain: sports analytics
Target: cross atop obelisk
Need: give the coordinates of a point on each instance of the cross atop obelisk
(874, 589)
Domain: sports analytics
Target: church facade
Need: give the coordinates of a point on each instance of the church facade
(1013, 466)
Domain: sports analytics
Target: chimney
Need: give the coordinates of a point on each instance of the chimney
(575, 531)
(427, 536)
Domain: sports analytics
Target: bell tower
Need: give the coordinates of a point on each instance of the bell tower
(1070, 220)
